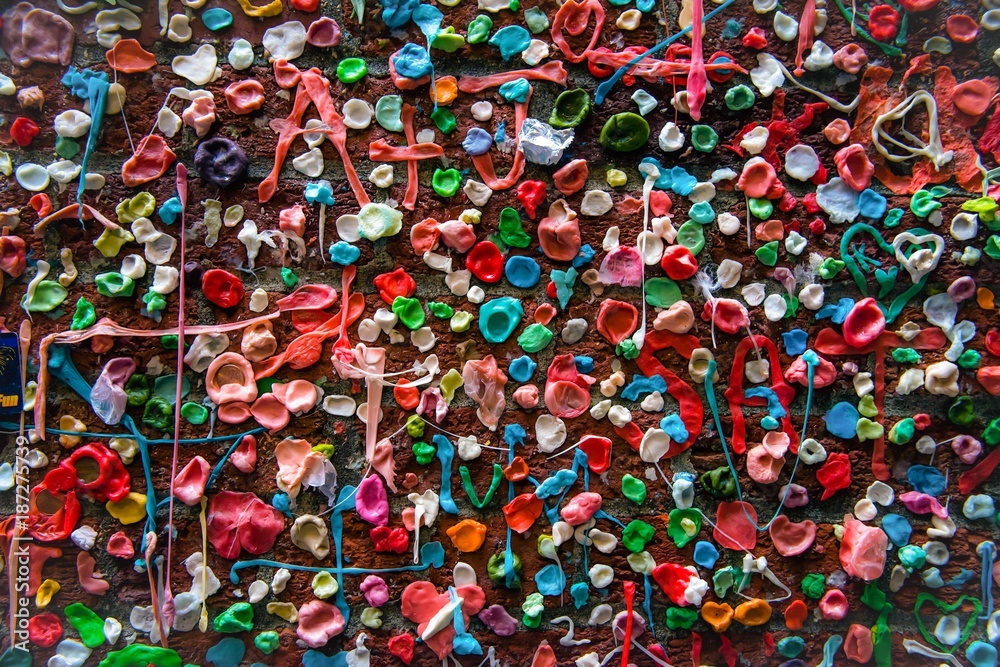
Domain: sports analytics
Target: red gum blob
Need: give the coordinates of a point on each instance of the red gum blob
(755, 39)
(571, 177)
(678, 262)
(293, 220)
(91, 580)
(244, 97)
(796, 614)
(128, 57)
(834, 474)
(834, 605)
(424, 236)
(402, 646)
(823, 376)
(792, 539)
(851, 58)
(420, 602)
(863, 550)
(659, 202)
(854, 166)
(733, 528)
(395, 284)
(23, 130)
(673, 579)
(858, 645)
(581, 508)
(308, 297)
(522, 512)
(13, 255)
(189, 485)
(242, 521)
(485, 262)
(392, 540)
(972, 97)
(544, 656)
(531, 194)
(44, 630)
(598, 451)
(883, 22)
(93, 469)
(962, 29)
(559, 233)
(616, 320)
(319, 622)
(151, 160)
(222, 288)
(757, 180)
(864, 324)
(407, 397)
(458, 235)
(730, 315)
(544, 313)
(989, 378)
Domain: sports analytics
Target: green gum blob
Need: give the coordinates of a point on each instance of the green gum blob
(704, 138)
(571, 108)
(625, 132)
(479, 29)
(388, 112)
(739, 98)
(351, 70)
(446, 182)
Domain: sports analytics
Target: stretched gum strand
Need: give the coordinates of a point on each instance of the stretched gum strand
(313, 89)
(108, 327)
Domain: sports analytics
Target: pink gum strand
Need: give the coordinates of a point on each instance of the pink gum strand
(108, 327)
(314, 89)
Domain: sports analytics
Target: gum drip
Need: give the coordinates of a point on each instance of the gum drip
(182, 194)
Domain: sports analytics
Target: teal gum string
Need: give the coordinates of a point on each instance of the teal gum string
(812, 360)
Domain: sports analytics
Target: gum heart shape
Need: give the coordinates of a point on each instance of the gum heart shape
(946, 608)
(421, 602)
(860, 270)
(886, 280)
(792, 539)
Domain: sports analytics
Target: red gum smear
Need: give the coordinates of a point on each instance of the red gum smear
(876, 97)
(314, 89)
(737, 398)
